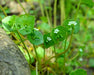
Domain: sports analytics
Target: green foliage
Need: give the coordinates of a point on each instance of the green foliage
(0, 25)
(67, 43)
(2, 16)
(33, 72)
(72, 24)
(60, 61)
(7, 11)
(26, 55)
(6, 23)
(35, 38)
(89, 3)
(44, 19)
(78, 72)
(48, 41)
(62, 55)
(91, 62)
(58, 33)
(40, 52)
(44, 27)
(68, 5)
(24, 23)
(27, 58)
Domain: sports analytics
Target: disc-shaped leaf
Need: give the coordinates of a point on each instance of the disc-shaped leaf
(27, 20)
(25, 24)
(25, 30)
(70, 24)
(78, 72)
(35, 38)
(48, 41)
(8, 23)
(58, 33)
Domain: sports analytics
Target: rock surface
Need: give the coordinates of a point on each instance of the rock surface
(12, 61)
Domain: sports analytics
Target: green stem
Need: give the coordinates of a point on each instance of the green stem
(77, 11)
(32, 67)
(64, 55)
(40, 69)
(24, 46)
(50, 12)
(55, 58)
(74, 57)
(70, 52)
(0, 17)
(64, 65)
(41, 7)
(36, 68)
(22, 6)
(3, 10)
(48, 17)
(55, 52)
(44, 54)
(36, 53)
(50, 69)
(62, 6)
(55, 5)
(47, 72)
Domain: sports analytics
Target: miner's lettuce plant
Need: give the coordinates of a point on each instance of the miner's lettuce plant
(24, 25)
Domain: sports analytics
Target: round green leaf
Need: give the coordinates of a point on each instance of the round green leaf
(48, 41)
(8, 23)
(58, 33)
(78, 72)
(35, 38)
(25, 24)
(70, 24)
(27, 20)
(25, 30)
